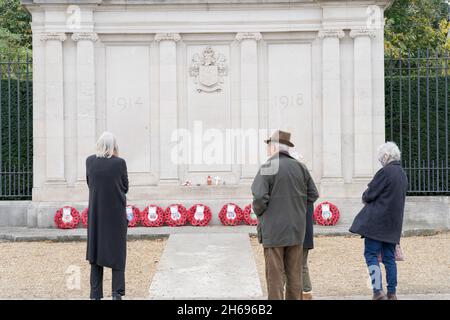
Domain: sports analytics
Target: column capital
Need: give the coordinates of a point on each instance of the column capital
(60, 36)
(167, 37)
(354, 33)
(331, 33)
(91, 36)
(248, 36)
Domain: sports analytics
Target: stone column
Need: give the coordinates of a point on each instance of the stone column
(249, 102)
(54, 106)
(168, 105)
(331, 106)
(363, 111)
(85, 115)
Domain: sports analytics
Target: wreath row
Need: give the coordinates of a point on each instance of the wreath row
(199, 214)
(155, 216)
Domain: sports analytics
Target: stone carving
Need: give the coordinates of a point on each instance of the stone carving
(167, 37)
(60, 36)
(362, 33)
(248, 35)
(331, 33)
(208, 70)
(92, 36)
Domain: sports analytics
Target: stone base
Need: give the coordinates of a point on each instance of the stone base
(420, 212)
(14, 213)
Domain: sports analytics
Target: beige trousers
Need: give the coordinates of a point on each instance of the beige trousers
(284, 269)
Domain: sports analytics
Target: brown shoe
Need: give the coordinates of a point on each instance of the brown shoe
(392, 296)
(379, 296)
(307, 295)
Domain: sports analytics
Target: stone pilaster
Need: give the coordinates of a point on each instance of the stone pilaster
(363, 109)
(168, 105)
(54, 106)
(249, 100)
(331, 105)
(85, 115)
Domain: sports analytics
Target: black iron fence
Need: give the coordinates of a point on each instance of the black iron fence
(16, 114)
(416, 97)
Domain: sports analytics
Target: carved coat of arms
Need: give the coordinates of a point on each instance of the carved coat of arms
(208, 70)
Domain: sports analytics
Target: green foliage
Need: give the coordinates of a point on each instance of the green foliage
(416, 24)
(16, 139)
(16, 122)
(15, 30)
(419, 123)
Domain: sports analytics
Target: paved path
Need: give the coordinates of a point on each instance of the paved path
(207, 266)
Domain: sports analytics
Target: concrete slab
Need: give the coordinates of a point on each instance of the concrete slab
(207, 266)
(80, 234)
(138, 233)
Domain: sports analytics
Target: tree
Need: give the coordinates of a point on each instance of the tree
(416, 24)
(15, 30)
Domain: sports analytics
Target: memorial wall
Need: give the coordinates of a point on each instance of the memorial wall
(191, 89)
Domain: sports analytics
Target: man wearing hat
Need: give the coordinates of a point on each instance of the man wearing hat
(281, 191)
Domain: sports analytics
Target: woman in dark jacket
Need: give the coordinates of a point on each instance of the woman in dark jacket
(107, 180)
(380, 221)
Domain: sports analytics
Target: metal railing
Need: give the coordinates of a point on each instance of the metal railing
(416, 96)
(16, 129)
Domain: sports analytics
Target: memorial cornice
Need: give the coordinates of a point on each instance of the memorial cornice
(77, 36)
(60, 36)
(354, 33)
(167, 37)
(248, 36)
(331, 33)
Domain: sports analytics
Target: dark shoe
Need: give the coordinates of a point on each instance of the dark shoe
(117, 297)
(379, 296)
(96, 298)
(392, 296)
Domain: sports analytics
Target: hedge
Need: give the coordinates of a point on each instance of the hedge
(412, 115)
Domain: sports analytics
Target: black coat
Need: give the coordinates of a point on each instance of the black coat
(309, 234)
(281, 190)
(107, 180)
(382, 216)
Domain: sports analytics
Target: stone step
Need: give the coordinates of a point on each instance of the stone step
(79, 234)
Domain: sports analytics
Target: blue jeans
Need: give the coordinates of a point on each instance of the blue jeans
(371, 250)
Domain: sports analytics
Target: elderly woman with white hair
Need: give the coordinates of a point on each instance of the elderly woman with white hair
(380, 221)
(107, 180)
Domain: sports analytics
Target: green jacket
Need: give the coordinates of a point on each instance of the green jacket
(281, 190)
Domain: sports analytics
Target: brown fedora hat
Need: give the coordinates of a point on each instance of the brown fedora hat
(281, 137)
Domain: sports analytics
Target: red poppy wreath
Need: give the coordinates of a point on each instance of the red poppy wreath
(230, 215)
(199, 215)
(152, 216)
(133, 216)
(67, 217)
(175, 215)
(250, 216)
(84, 217)
(326, 214)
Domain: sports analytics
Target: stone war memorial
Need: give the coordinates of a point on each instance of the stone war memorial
(192, 88)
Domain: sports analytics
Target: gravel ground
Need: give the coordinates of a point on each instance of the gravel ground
(337, 266)
(47, 270)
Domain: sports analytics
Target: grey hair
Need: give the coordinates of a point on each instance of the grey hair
(107, 146)
(280, 146)
(388, 152)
